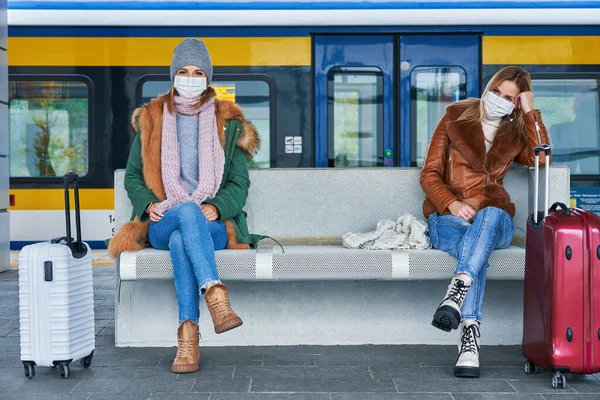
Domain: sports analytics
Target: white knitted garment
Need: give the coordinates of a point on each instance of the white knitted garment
(407, 232)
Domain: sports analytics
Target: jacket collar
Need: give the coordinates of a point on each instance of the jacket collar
(468, 139)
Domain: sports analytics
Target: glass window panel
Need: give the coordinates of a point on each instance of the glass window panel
(49, 128)
(253, 96)
(432, 89)
(571, 113)
(355, 117)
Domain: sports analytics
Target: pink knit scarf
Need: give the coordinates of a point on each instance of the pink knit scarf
(211, 158)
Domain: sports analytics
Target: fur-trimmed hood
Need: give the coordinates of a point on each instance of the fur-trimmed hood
(149, 115)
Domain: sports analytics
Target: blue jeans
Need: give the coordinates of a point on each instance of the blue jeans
(471, 243)
(192, 241)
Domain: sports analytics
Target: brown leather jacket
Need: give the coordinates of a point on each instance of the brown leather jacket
(456, 166)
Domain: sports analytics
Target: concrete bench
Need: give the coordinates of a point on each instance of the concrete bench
(325, 293)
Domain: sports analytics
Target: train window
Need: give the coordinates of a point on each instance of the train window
(253, 96)
(355, 117)
(571, 113)
(49, 127)
(432, 89)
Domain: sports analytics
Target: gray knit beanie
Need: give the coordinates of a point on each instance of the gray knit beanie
(192, 52)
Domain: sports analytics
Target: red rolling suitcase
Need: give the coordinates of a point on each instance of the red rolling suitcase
(561, 315)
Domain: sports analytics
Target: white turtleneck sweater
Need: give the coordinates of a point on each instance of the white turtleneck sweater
(490, 126)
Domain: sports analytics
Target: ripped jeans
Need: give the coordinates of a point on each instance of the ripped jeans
(192, 241)
(471, 243)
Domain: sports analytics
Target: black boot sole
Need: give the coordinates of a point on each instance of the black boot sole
(446, 318)
(466, 372)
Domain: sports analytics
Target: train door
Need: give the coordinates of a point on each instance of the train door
(435, 70)
(378, 98)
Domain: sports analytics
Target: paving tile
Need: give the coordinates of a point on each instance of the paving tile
(378, 361)
(11, 382)
(322, 373)
(538, 385)
(44, 383)
(270, 396)
(108, 331)
(289, 361)
(569, 396)
(391, 396)
(145, 385)
(496, 396)
(120, 373)
(412, 373)
(587, 384)
(179, 396)
(516, 372)
(341, 384)
(453, 386)
(6, 331)
(119, 396)
(46, 396)
(221, 385)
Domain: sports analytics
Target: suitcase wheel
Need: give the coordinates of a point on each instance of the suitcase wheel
(87, 361)
(559, 381)
(531, 368)
(64, 370)
(29, 369)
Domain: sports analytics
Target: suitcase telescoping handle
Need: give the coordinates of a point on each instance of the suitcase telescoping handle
(546, 149)
(77, 248)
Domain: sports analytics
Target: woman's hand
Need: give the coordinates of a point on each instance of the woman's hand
(154, 217)
(525, 101)
(210, 212)
(462, 210)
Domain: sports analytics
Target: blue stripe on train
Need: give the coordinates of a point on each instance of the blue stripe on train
(167, 31)
(296, 5)
(19, 244)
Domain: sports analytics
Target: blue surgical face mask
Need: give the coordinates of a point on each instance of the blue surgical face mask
(496, 106)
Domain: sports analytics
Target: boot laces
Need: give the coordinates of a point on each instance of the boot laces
(221, 307)
(457, 292)
(468, 339)
(185, 347)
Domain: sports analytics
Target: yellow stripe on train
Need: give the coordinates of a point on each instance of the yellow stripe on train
(272, 51)
(541, 50)
(79, 51)
(54, 199)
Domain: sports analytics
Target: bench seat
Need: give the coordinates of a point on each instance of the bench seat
(305, 263)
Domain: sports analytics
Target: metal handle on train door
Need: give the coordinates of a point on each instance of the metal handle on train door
(546, 149)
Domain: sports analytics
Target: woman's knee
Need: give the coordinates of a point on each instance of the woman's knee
(176, 240)
(189, 211)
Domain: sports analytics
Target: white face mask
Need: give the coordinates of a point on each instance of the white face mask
(189, 86)
(496, 106)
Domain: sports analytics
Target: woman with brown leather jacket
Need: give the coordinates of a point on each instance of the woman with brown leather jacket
(469, 211)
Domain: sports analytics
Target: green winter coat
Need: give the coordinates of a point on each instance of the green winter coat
(143, 179)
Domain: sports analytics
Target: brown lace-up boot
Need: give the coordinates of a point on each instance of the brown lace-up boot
(188, 349)
(222, 315)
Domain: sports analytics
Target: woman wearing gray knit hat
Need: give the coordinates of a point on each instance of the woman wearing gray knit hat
(187, 180)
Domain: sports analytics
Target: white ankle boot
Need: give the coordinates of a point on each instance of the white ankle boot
(467, 364)
(447, 315)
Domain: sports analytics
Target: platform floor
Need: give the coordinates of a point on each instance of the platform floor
(267, 373)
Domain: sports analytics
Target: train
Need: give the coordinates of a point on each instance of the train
(328, 84)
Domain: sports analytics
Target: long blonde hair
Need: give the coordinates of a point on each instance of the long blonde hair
(475, 108)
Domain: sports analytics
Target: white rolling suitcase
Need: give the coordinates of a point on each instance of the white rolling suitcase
(56, 299)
